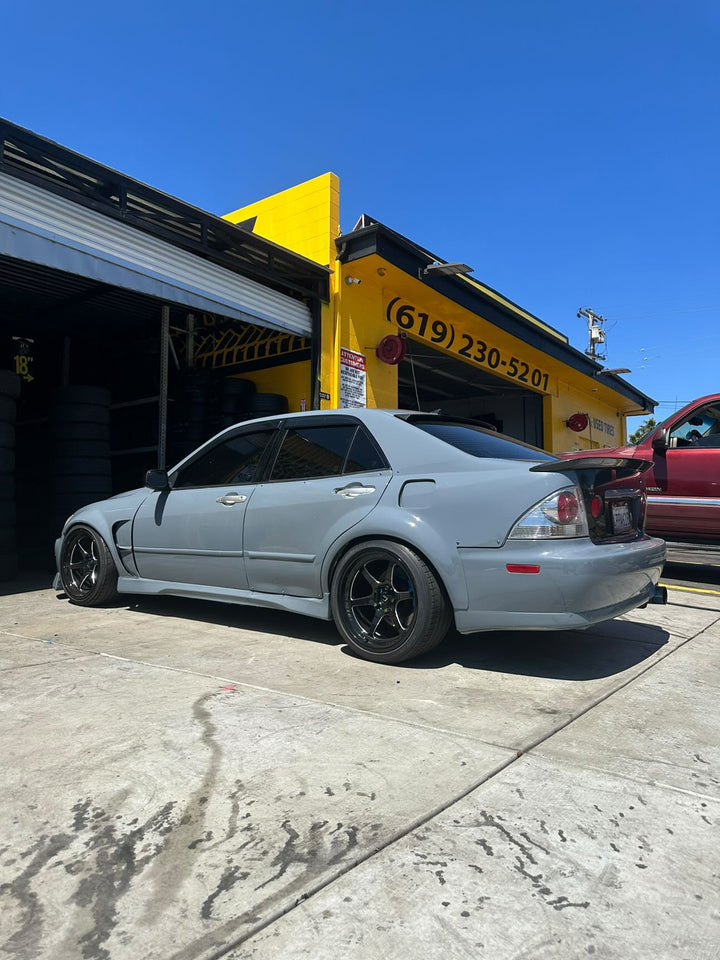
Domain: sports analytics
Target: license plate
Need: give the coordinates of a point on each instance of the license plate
(622, 521)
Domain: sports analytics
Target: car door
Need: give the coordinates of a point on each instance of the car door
(193, 532)
(328, 475)
(686, 501)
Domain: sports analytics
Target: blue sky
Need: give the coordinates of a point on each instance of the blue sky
(568, 151)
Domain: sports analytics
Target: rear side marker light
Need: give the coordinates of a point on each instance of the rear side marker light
(522, 568)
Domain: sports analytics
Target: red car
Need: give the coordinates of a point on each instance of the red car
(683, 483)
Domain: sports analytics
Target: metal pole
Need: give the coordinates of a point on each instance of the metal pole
(66, 362)
(163, 398)
(190, 352)
(315, 353)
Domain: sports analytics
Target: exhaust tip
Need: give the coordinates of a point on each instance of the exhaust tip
(660, 595)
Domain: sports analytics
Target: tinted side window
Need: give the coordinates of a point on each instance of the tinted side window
(233, 461)
(479, 442)
(363, 455)
(313, 452)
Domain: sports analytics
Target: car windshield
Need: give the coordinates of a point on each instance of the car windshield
(477, 441)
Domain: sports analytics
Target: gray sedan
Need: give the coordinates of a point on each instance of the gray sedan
(394, 524)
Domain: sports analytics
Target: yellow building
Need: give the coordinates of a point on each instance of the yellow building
(405, 329)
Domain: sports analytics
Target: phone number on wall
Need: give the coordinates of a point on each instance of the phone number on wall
(437, 331)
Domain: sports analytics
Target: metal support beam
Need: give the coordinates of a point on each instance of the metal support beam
(190, 350)
(66, 361)
(315, 354)
(163, 398)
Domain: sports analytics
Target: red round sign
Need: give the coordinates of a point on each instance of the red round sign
(391, 349)
(577, 422)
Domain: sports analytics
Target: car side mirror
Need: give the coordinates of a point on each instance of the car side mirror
(661, 442)
(157, 479)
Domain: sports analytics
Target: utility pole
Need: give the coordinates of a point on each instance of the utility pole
(596, 332)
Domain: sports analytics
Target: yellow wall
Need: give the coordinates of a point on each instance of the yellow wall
(605, 427)
(290, 379)
(361, 327)
(389, 301)
(305, 218)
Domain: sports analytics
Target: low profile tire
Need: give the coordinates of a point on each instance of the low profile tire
(92, 449)
(268, 403)
(7, 434)
(82, 394)
(81, 413)
(9, 384)
(70, 432)
(8, 409)
(82, 467)
(387, 602)
(87, 571)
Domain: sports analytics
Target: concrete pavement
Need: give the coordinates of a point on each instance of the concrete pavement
(190, 780)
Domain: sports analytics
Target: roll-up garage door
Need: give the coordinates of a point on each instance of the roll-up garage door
(41, 227)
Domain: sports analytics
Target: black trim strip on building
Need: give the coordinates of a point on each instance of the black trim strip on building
(407, 256)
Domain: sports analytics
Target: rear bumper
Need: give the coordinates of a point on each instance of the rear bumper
(579, 583)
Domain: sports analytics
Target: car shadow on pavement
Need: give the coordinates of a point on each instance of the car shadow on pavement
(237, 616)
(602, 651)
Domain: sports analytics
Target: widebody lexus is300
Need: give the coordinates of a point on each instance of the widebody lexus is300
(394, 524)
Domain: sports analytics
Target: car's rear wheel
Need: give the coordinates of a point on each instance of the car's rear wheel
(87, 570)
(387, 603)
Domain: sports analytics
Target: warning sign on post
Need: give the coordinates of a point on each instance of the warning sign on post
(352, 378)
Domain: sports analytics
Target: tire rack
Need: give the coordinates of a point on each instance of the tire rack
(80, 430)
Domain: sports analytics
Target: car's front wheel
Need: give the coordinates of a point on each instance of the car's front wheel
(387, 602)
(87, 570)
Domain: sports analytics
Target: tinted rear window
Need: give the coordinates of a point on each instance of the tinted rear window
(479, 442)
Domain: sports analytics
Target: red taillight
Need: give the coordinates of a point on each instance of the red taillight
(567, 507)
(596, 507)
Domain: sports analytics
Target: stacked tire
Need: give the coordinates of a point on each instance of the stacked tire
(9, 393)
(193, 403)
(267, 404)
(234, 404)
(80, 427)
(204, 404)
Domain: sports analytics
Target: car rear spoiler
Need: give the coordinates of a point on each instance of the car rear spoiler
(629, 465)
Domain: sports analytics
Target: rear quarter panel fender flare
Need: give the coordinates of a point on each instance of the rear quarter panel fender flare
(412, 530)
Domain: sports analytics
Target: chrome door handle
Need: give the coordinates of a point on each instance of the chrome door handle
(354, 490)
(230, 498)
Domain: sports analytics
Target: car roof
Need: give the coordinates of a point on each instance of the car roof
(408, 449)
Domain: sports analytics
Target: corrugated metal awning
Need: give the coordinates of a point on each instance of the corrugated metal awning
(40, 227)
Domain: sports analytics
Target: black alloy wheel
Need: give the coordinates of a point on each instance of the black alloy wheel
(387, 602)
(87, 571)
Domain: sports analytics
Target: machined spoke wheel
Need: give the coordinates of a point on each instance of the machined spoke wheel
(387, 602)
(83, 564)
(381, 600)
(87, 570)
